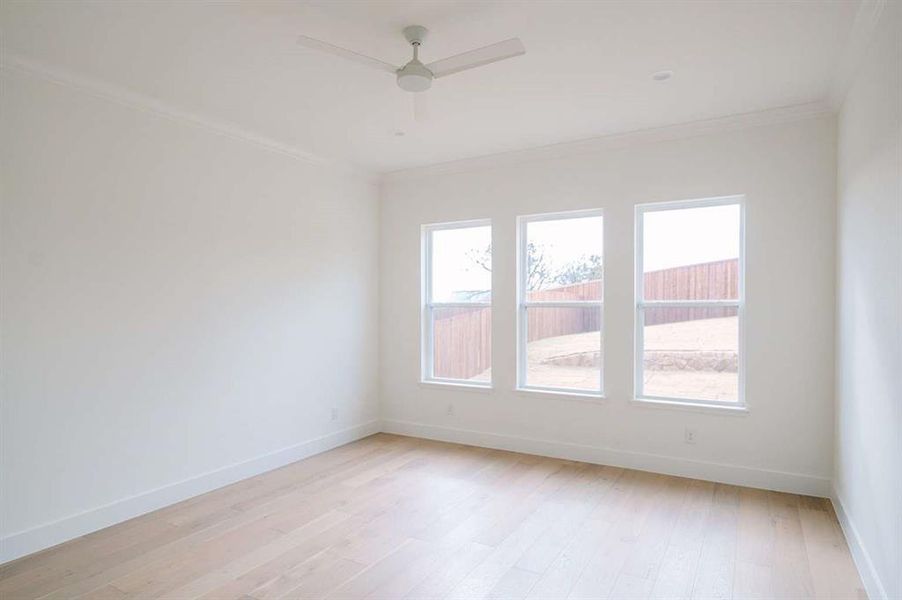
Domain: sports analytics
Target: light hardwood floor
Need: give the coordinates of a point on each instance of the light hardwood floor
(391, 517)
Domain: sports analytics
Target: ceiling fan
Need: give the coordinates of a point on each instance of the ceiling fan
(415, 76)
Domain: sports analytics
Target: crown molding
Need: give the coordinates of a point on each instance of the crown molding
(867, 19)
(617, 141)
(139, 101)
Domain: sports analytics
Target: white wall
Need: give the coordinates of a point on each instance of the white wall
(868, 460)
(174, 303)
(787, 173)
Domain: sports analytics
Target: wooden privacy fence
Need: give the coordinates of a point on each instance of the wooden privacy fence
(548, 322)
(717, 280)
(463, 342)
(463, 336)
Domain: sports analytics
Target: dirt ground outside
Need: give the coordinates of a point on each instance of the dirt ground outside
(691, 359)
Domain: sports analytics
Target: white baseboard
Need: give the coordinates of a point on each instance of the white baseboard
(722, 473)
(869, 577)
(50, 534)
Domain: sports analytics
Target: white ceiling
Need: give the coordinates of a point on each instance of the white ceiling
(586, 72)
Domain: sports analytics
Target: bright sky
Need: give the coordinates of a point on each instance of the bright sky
(452, 269)
(564, 241)
(689, 236)
(671, 238)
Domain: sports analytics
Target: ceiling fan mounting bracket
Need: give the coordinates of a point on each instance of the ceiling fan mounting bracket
(415, 34)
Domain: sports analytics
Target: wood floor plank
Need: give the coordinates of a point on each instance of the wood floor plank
(482, 579)
(311, 579)
(680, 561)
(441, 580)
(833, 576)
(715, 571)
(400, 583)
(559, 578)
(755, 543)
(752, 581)
(791, 574)
(626, 508)
(651, 545)
(369, 579)
(231, 571)
(394, 517)
(514, 585)
(576, 509)
(107, 592)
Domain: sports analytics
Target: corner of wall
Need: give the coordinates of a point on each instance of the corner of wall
(872, 584)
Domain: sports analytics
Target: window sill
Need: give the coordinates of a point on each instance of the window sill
(739, 410)
(457, 386)
(589, 397)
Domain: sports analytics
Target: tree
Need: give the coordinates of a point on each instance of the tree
(539, 270)
(586, 268)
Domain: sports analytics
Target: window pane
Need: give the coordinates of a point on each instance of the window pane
(691, 353)
(563, 348)
(564, 259)
(462, 343)
(462, 264)
(691, 253)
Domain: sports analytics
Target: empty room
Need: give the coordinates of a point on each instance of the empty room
(424, 300)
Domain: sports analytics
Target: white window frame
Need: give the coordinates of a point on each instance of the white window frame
(641, 304)
(428, 305)
(523, 305)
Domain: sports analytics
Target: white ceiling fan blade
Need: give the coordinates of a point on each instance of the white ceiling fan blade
(477, 58)
(362, 59)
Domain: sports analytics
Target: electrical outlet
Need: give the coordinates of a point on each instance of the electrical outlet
(689, 436)
(334, 414)
(450, 410)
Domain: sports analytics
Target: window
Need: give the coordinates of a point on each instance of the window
(457, 303)
(560, 295)
(689, 301)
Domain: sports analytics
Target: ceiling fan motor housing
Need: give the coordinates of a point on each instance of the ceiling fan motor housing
(414, 77)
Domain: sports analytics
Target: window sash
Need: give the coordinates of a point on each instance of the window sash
(428, 340)
(642, 304)
(458, 305)
(523, 305)
(428, 306)
(562, 303)
(640, 357)
(522, 349)
(688, 303)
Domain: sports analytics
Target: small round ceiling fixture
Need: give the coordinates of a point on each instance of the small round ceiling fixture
(400, 133)
(414, 76)
(662, 75)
